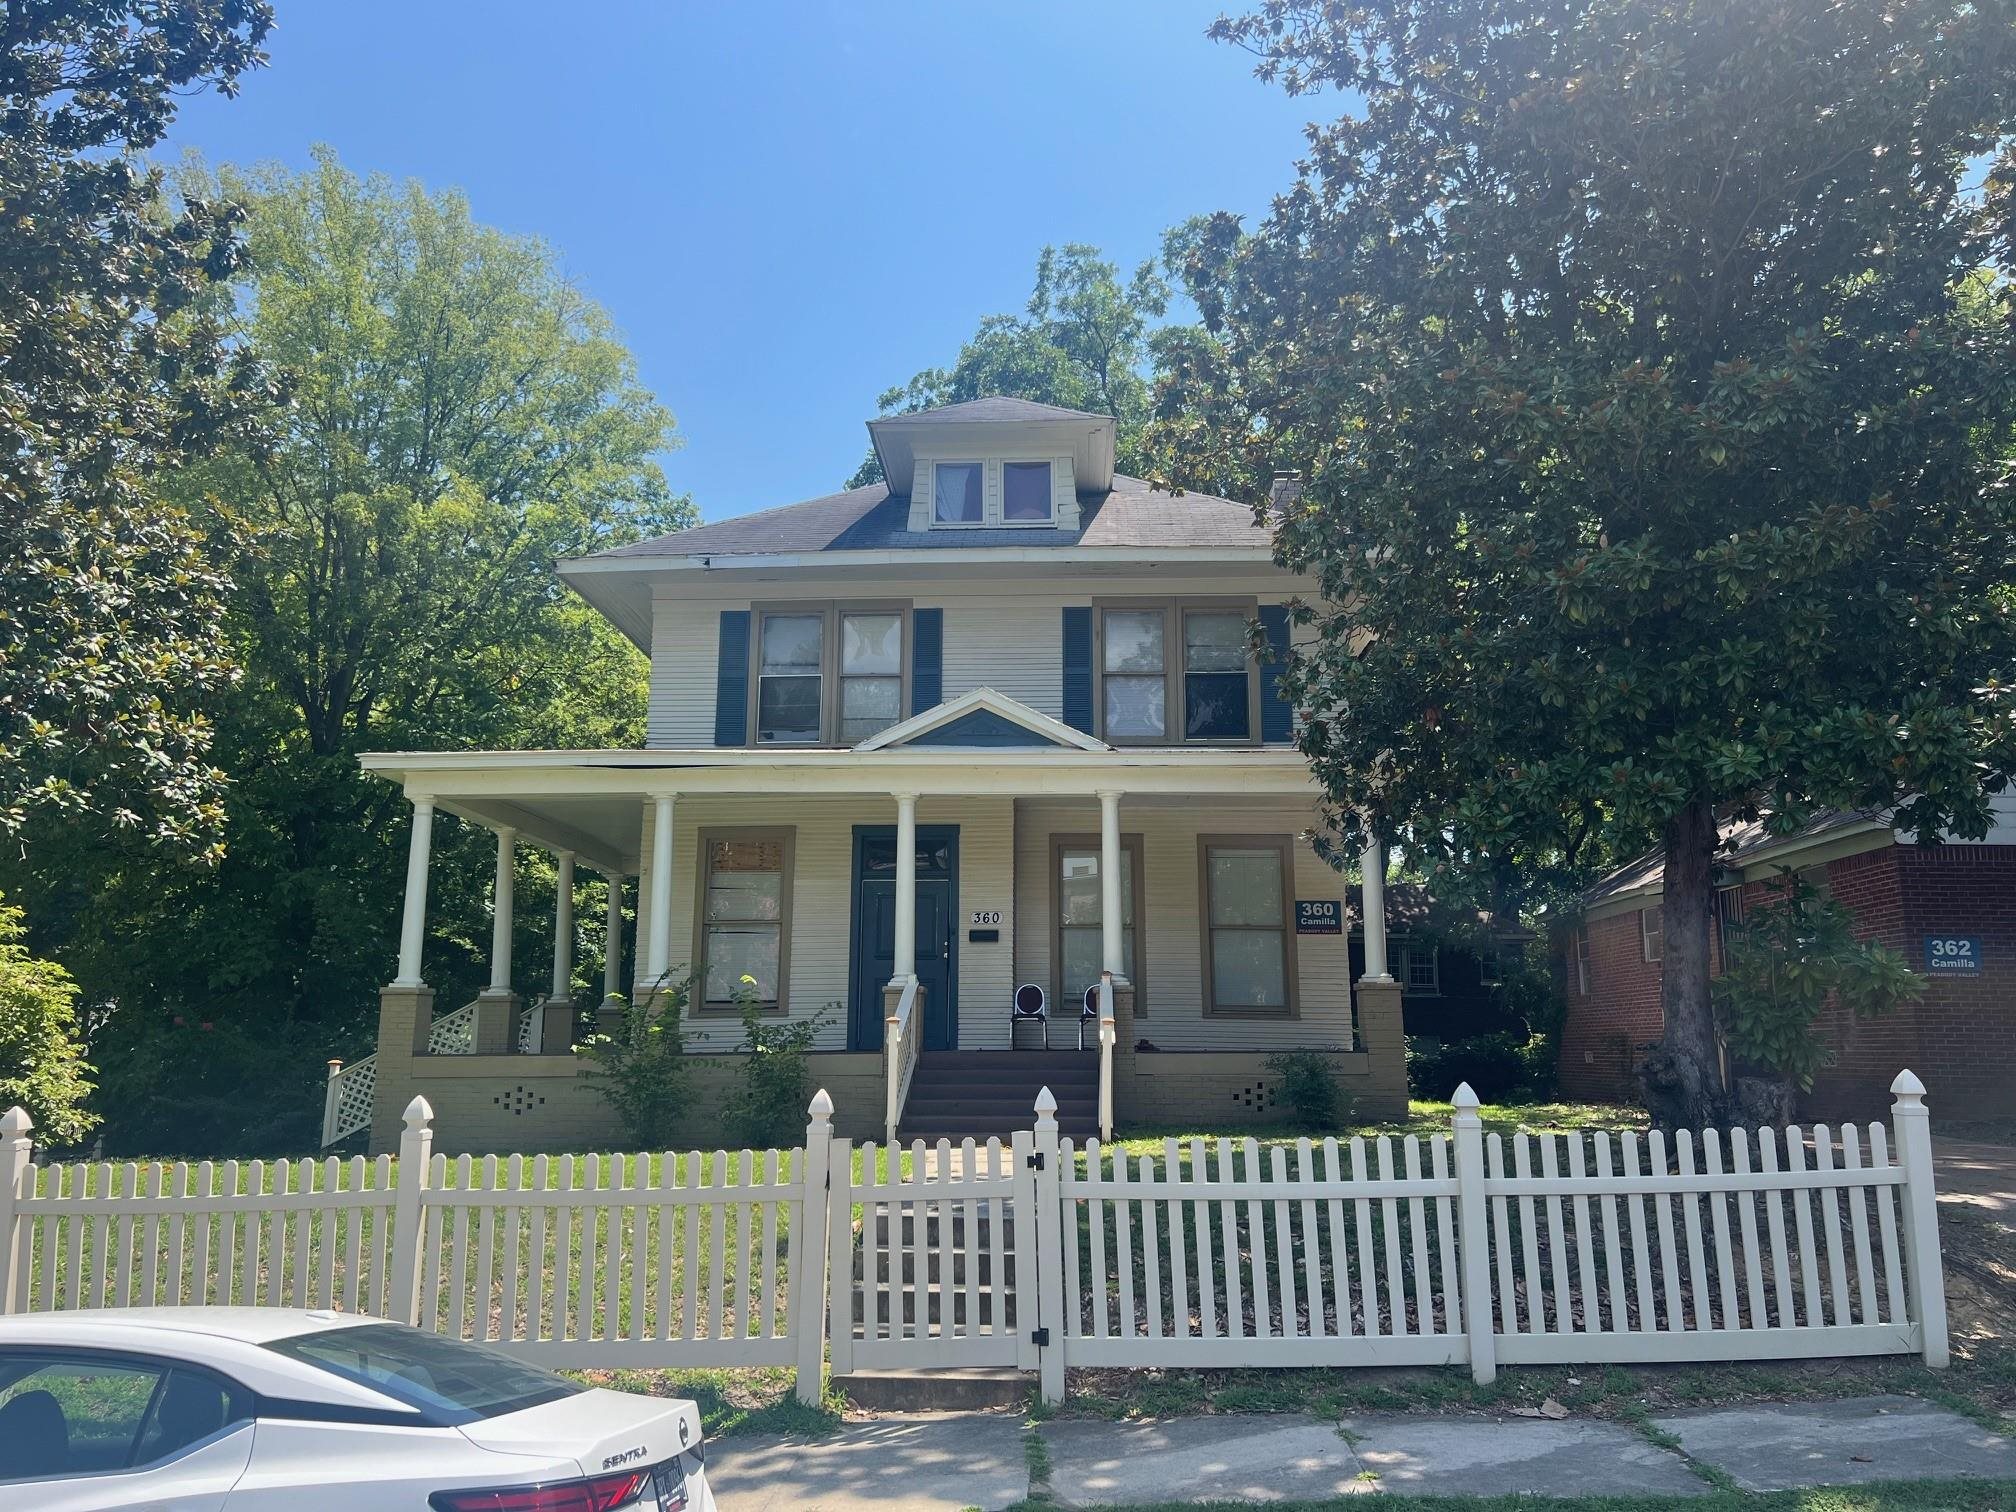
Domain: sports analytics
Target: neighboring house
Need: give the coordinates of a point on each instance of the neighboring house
(1043, 669)
(1949, 908)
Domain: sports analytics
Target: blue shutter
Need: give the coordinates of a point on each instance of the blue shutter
(1276, 722)
(731, 680)
(927, 659)
(1078, 669)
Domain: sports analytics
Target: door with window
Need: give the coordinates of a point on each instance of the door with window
(874, 943)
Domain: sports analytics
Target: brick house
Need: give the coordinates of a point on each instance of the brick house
(1949, 908)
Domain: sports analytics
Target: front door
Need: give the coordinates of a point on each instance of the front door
(874, 944)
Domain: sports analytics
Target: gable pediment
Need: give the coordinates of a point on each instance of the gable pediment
(982, 720)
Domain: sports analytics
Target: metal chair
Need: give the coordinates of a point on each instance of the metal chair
(1089, 1015)
(1031, 1005)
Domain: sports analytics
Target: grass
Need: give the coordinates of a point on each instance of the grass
(1899, 1496)
(731, 1402)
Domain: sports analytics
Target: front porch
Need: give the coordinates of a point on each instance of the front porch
(835, 880)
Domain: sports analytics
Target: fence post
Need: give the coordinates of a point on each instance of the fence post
(809, 1249)
(1912, 1129)
(409, 1230)
(1473, 1240)
(17, 1165)
(1049, 1220)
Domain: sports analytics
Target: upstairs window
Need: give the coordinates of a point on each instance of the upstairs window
(871, 674)
(790, 678)
(828, 674)
(957, 488)
(1178, 673)
(1025, 493)
(1136, 680)
(1217, 676)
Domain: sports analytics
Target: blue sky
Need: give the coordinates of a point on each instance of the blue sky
(786, 208)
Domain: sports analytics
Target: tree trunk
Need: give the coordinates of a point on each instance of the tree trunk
(1683, 1077)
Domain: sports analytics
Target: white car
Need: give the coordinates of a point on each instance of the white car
(249, 1409)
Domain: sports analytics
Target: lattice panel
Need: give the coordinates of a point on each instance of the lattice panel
(356, 1090)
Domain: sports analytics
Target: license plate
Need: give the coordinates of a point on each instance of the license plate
(669, 1482)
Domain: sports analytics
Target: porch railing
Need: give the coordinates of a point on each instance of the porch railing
(1108, 1033)
(902, 1037)
(351, 1089)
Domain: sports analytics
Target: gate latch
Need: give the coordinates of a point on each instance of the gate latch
(1040, 1337)
(1036, 1161)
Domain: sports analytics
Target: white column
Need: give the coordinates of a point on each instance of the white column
(904, 968)
(500, 922)
(612, 954)
(563, 926)
(1372, 867)
(1112, 938)
(658, 957)
(413, 924)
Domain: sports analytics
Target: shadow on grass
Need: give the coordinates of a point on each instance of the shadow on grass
(731, 1402)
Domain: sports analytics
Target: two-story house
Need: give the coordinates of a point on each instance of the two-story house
(1001, 725)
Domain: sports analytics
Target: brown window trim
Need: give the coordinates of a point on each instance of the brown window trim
(1285, 845)
(703, 841)
(1172, 611)
(1133, 847)
(829, 665)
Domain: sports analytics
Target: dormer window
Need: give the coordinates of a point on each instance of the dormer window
(1025, 493)
(958, 489)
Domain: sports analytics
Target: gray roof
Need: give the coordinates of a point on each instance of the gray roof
(1740, 840)
(993, 407)
(876, 519)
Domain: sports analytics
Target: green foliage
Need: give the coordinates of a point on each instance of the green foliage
(1083, 342)
(1498, 1066)
(768, 1105)
(42, 1066)
(641, 1069)
(110, 597)
(1651, 404)
(1791, 956)
(1305, 1088)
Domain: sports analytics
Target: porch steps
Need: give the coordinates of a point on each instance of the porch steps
(962, 1389)
(954, 1093)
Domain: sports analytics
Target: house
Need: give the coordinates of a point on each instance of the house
(1949, 908)
(997, 723)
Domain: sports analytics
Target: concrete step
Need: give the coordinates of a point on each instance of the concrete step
(969, 1389)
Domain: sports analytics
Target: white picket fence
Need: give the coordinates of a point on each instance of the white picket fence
(1452, 1249)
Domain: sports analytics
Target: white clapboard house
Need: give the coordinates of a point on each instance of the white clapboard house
(930, 758)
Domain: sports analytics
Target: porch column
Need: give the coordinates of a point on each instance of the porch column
(1112, 938)
(500, 923)
(413, 923)
(904, 969)
(563, 926)
(1372, 867)
(612, 950)
(658, 956)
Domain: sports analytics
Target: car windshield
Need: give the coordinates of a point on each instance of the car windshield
(445, 1378)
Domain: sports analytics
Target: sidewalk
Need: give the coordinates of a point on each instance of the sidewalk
(943, 1462)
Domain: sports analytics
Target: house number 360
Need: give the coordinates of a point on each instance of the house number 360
(986, 916)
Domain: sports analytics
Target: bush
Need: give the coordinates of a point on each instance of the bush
(767, 1107)
(641, 1070)
(42, 1066)
(1305, 1088)
(1497, 1066)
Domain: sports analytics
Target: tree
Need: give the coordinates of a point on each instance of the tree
(110, 598)
(42, 1066)
(461, 415)
(1649, 368)
(1083, 342)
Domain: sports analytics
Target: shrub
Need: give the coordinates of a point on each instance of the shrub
(42, 1066)
(1497, 1066)
(641, 1069)
(1306, 1088)
(767, 1107)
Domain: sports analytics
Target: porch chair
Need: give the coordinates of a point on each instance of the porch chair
(1088, 1016)
(1031, 1005)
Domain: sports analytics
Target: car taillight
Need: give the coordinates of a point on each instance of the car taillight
(601, 1493)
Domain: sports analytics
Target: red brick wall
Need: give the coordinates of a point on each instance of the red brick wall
(1603, 1032)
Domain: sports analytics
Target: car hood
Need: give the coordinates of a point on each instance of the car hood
(603, 1430)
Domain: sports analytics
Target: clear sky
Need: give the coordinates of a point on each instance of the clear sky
(786, 207)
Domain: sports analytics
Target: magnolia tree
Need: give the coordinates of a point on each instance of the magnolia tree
(1650, 371)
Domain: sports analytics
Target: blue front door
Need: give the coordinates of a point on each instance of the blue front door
(874, 941)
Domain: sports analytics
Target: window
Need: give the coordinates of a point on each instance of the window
(1025, 493)
(1078, 907)
(448, 1380)
(1249, 942)
(744, 925)
(790, 679)
(78, 1415)
(1729, 906)
(956, 490)
(1490, 972)
(1177, 672)
(1582, 962)
(828, 674)
(1421, 970)
(1652, 931)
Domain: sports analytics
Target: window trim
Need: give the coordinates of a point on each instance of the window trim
(1651, 942)
(1049, 519)
(702, 844)
(829, 665)
(1291, 975)
(1408, 951)
(1582, 961)
(1133, 847)
(985, 465)
(1173, 611)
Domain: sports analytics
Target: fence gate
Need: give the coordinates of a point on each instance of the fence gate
(937, 1267)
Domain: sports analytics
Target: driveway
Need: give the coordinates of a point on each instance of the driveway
(1977, 1175)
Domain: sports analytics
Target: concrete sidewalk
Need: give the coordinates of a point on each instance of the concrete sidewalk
(942, 1462)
